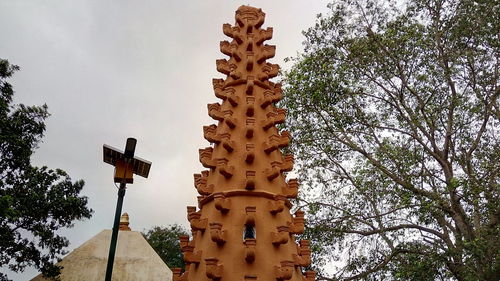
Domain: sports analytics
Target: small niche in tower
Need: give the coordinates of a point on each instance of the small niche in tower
(249, 232)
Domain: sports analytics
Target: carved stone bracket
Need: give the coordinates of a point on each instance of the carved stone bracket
(195, 219)
(268, 51)
(250, 56)
(250, 107)
(274, 171)
(272, 144)
(224, 169)
(250, 123)
(230, 50)
(233, 99)
(227, 143)
(287, 164)
(250, 250)
(176, 273)
(290, 189)
(273, 118)
(284, 271)
(217, 235)
(233, 32)
(184, 241)
(280, 237)
(297, 226)
(250, 180)
(278, 205)
(267, 100)
(200, 199)
(224, 67)
(214, 111)
(304, 257)
(218, 85)
(200, 182)
(210, 133)
(222, 203)
(284, 139)
(250, 215)
(280, 116)
(214, 270)
(268, 71)
(190, 256)
(250, 153)
(310, 275)
(206, 157)
(229, 119)
(264, 35)
(249, 86)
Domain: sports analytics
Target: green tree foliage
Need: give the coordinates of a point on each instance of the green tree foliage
(165, 241)
(394, 114)
(35, 202)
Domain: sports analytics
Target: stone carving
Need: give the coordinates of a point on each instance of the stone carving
(200, 182)
(250, 215)
(280, 237)
(268, 52)
(249, 86)
(290, 189)
(210, 134)
(250, 180)
(250, 123)
(303, 258)
(217, 235)
(228, 144)
(214, 111)
(297, 225)
(190, 256)
(250, 154)
(310, 276)
(284, 271)
(250, 249)
(222, 203)
(206, 157)
(195, 219)
(278, 205)
(225, 169)
(213, 268)
(176, 273)
(273, 118)
(230, 50)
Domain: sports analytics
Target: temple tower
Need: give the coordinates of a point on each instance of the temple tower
(243, 228)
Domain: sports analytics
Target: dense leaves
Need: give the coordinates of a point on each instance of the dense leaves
(395, 119)
(35, 202)
(165, 241)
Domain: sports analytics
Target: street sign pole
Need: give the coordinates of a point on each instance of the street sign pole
(114, 235)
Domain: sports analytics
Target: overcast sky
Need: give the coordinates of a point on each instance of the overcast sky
(109, 70)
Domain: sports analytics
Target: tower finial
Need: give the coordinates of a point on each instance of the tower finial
(124, 222)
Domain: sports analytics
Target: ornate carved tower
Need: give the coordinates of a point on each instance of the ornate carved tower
(243, 229)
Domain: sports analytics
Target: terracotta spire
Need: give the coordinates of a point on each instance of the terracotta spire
(243, 229)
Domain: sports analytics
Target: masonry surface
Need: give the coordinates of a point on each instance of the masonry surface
(242, 227)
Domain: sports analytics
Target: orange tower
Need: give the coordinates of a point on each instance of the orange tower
(243, 229)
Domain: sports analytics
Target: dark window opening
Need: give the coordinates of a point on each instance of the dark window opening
(249, 232)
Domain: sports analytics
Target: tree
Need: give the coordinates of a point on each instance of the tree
(394, 115)
(35, 202)
(165, 241)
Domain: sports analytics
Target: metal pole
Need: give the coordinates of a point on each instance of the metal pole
(114, 235)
